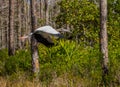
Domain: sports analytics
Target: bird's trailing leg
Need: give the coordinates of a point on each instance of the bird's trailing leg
(25, 37)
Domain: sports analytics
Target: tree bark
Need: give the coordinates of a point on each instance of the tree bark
(20, 25)
(11, 49)
(34, 47)
(103, 36)
(46, 12)
(1, 24)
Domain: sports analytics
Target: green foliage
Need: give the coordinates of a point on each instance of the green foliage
(20, 62)
(72, 58)
(3, 57)
(83, 18)
(69, 58)
(113, 22)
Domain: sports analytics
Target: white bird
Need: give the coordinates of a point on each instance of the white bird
(44, 35)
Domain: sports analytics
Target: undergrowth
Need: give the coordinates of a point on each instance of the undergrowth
(66, 64)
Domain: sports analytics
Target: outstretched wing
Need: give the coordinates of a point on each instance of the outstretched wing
(44, 39)
(46, 29)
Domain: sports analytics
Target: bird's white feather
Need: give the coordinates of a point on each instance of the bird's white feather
(46, 29)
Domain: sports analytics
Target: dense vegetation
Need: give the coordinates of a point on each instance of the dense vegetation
(68, 61)
(74, 62)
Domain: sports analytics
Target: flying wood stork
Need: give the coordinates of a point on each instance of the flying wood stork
(45, 35)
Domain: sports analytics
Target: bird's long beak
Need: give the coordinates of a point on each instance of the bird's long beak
(64, 30)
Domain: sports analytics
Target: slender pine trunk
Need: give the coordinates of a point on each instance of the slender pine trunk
(11, 49)
(34, 47)
(103, 38)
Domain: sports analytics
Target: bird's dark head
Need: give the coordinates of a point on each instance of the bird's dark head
(59, 35)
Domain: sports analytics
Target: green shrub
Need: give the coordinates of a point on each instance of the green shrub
(21, 61)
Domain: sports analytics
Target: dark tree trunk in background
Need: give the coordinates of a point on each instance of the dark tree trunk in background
(1, 24)
(46, 12)
(11, 49)
(103, 37)
(20, 25)
(34, 47)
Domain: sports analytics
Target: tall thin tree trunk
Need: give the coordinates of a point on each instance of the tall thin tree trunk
(46, 12)
(6, 34)
(41, 10)
(28, 18)
(3, 34)
(103, 37)
(20, 25)
(1, 24)
(11, 28)
(34, 47)
(1, 28)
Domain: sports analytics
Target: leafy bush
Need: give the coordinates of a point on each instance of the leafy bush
(19, 62)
